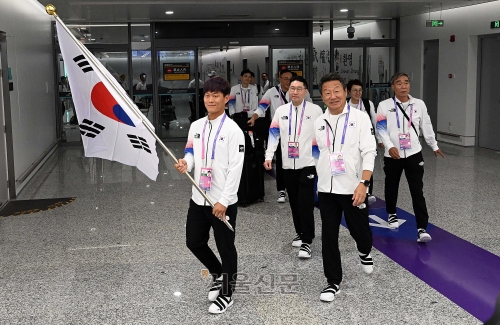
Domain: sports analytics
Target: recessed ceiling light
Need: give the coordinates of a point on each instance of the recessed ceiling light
(344, 10)
(142, 40)
(177, 294)
(276, 29)
(169, 12)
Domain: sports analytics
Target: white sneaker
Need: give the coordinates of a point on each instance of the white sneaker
(305, 251)
(297, 242)
(371, 199)
(366, 263)
(423, 236)
(281, 197)
(220, 305)
(213, 293)
(393, 222)
(329, 293)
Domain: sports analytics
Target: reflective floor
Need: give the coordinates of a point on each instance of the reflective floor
(117, 254)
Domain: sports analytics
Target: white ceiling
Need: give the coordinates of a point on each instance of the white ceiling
(137, 11)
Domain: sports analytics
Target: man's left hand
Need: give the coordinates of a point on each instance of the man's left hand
(219, 211)
(359, 195)
(438, 152)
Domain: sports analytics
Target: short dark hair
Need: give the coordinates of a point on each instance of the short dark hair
(397, 75)
(217, 84)
(331, 77)
(280, 73)
(252, 74)
(143, 74)
(246, 71)
(300, 79)
(264, 73)
(354, 82)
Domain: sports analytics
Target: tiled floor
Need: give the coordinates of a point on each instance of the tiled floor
(117, 254)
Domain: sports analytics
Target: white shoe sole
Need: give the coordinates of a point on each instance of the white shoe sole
(303, 254)
(281, 200)
(367, 269)
(216, 309)
(424, 239)
(327, 298)
(297, 243)
(394, 225)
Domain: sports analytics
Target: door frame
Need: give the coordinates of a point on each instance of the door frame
(7, 117)
(478, 84)
(307, 60)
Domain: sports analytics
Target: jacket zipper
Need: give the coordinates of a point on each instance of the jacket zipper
(206, 150)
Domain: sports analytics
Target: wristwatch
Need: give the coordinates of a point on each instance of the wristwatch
(365, 183)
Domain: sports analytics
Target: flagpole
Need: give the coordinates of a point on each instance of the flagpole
(51, 10)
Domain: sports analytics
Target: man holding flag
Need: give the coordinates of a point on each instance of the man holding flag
(215, 148)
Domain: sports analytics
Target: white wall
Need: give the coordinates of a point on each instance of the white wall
(29, 51)
(456, 96)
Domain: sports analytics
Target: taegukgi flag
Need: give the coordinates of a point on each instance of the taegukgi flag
(109, 127)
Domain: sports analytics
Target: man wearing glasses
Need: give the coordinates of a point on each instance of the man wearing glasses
(274, 98)
(355, 90)
(293, 123)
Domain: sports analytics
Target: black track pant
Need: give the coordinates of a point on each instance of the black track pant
(300, 188)
(280, 177)
(413, 167)
(331, 208)
(199, 221)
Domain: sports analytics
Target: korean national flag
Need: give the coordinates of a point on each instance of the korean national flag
(110, 126)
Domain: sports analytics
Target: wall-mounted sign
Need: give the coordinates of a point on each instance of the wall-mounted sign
(434, 23)
(176, 71)
(296, 66)
(495, 24)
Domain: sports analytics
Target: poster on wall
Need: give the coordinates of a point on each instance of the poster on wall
(176, 71)
(296, 66)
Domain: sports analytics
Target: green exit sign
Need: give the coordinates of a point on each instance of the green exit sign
(495, 24)
(434, 23)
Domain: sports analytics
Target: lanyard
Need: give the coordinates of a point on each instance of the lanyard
(328, 143)
(215, 139)
(397, 115)
(281, 95)
(248, 95)
(290, 120)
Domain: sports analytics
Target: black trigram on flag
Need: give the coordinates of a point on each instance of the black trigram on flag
(83, 63)
(139, 143)
(90, 129)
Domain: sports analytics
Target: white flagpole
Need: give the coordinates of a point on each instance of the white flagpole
(51, 10)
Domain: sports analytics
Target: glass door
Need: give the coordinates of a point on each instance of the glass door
(178, 87)
(4, 190)
(380, 68)
(348, 62)
(294, 59)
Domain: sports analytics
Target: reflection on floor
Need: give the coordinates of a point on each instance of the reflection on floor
(117, 254)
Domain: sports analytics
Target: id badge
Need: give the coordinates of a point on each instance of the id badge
(404, 141)
(337, 164)
(205, 178)
(293, 149)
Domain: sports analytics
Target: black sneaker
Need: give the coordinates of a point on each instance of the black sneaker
(329, 293)
(423, 236)
(220, 305)
(393, 222)
(305, 250)
(366, 262)
(297, 242)
(213, 293)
